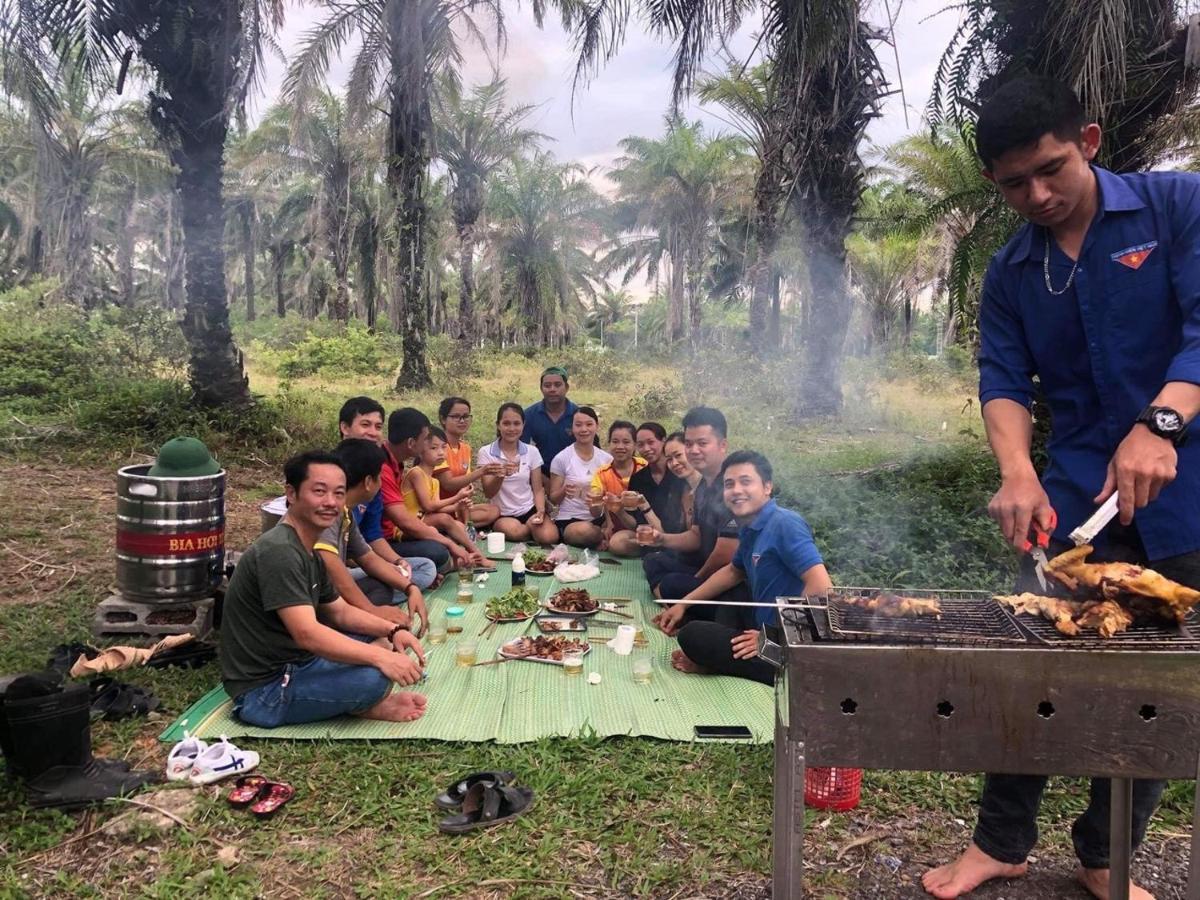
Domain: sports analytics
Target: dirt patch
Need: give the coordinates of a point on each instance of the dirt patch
(63, 523)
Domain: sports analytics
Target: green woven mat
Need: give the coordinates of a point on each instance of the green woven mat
(525, 701)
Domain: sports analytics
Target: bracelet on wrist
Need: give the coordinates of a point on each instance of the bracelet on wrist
(395, 629)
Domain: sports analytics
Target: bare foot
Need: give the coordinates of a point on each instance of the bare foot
(680, 661)
(1096, 883)
(402, 706)
(968, 872)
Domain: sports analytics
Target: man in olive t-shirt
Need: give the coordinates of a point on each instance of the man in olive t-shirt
(293, 651)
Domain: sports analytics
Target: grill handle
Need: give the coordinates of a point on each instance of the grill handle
(770, 651)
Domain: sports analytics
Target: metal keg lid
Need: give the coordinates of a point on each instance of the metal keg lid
(183, 457)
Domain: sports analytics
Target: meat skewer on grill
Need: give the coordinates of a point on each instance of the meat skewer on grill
(894, 606)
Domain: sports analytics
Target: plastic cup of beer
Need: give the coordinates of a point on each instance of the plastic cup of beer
(643, 668)
(572, 662)
(511, 468)
(465, 593)
(631, 500)
(437, 630)
(464, 653)
(612, 503)
(645, 535)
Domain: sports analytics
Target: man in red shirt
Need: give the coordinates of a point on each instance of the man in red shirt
(408, 429)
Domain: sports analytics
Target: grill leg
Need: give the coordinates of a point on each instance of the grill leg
(787, 877)
(1120, 837)
(1193, 885)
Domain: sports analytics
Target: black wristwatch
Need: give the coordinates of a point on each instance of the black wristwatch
(1164, 422)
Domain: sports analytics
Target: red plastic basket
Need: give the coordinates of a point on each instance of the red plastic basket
(835, 789)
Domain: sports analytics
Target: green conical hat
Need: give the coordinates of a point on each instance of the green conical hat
(183, 457)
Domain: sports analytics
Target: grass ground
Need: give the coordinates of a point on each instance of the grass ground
(614, 818)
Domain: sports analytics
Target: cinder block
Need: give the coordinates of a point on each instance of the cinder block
(146, 623)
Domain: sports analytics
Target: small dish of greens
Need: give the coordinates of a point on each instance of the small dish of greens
(516, 605)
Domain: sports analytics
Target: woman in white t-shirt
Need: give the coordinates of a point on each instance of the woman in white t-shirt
(580, 514)
(518, 492)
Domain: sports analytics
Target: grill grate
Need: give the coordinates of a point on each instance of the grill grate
(969, 618)
(1139, 636)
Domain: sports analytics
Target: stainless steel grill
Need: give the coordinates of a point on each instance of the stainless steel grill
(1142, 636)
(968, 618)
(966, 700)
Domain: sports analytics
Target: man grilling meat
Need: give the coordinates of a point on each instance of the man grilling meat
(1098, 297)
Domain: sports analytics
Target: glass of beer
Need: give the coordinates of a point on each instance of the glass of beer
(572, 663)
(643, 668)
(437, 630)
(511, 468)
(645, 535)
(464, 653)
(612, 503)
(631, 500)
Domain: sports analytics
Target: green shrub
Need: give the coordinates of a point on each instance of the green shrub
(924, 524)
(592, 364)
(352, 351)
(656, 402)
(149, 410)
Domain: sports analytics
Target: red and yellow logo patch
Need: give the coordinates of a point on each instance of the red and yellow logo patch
(1133, 257)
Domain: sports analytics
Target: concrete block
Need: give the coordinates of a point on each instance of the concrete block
(133, 622)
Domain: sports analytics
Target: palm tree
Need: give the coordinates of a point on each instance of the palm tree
(937, 175)
(750, 96)
(201, 57)
(543, 215)
(404, 44)
(676, 189)
(826, 87)
(1125, 59)
(607, 309)
(473, 135)
(329, 163)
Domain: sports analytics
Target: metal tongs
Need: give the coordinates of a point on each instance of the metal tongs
(1036, 545)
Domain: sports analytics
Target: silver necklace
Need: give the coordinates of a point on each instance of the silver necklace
(1046, 271)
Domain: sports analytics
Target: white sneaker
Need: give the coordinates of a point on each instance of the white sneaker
(221, 760)
(183, 756)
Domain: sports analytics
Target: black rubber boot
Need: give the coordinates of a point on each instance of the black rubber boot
(49, 746)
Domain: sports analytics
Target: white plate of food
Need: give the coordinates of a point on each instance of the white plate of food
(572, 602)
(543, 649)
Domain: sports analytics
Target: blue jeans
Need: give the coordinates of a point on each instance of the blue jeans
(423, 574)
(430, 550)
(313, 691)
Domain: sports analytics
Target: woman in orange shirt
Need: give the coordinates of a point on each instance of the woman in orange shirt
(612, 481)
(456, 472)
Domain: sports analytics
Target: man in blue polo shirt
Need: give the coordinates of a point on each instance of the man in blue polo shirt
(776, 555)
(1098, 297)
(548, 422)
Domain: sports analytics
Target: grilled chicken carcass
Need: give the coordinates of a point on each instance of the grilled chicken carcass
(1107, 616)
(1061, 612)
(893, 606)
(1113, 579)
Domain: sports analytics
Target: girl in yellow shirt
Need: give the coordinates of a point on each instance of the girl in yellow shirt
(422, 496)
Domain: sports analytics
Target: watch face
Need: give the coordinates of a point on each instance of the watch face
(1167, 420)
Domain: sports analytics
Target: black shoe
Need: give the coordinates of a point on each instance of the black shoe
(70, 787)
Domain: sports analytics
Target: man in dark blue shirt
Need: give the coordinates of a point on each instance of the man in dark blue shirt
(1098, 297)
(548, 422)
(775, 556)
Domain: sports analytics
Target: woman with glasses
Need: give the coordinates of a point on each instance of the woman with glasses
(456, 472)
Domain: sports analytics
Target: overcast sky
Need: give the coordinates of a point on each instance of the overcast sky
(631, 93)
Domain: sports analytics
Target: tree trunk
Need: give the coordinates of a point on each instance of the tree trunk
(195, 50)
(217, 376)
(173, 254)
(676, 299)
(409, 126)
(466, 295)
(821, 373)
(368, 248)
(125, 244)
(774, 326)
(249, 252)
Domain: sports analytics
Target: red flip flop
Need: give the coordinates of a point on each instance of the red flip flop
(246, 790)
(272, 795)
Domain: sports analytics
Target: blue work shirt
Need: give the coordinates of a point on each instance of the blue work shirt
(551, 438)
(369, 518)
(774, 551)
(1103, 350)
